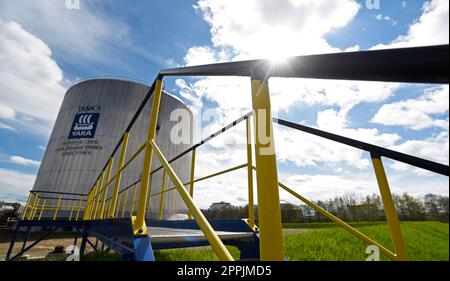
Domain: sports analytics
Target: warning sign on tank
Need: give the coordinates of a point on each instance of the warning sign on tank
(84, 126)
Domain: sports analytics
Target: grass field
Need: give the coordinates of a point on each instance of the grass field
(426, 241)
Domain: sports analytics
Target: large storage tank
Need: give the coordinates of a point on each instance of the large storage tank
(91, 121)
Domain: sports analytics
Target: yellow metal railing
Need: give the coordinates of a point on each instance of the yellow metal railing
(399, 66)
(37, 205)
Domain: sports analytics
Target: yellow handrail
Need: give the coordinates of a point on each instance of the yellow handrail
(212, 237)
(251, 209)
(191, 185)
(161, 200)
(340, 223)
(118, 177)
(139, 226)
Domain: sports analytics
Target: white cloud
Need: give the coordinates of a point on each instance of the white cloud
(307, 150)
(19, 160)
(276, 30)
(430, 29)
(382, 17)
(417, 114)
(88, 33)
(433, 148)
(31, 84)
(325, 186)
(15, 185)
(264, 32)
(6, 127)
(6, 112)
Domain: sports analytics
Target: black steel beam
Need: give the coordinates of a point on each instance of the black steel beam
(410, 65)
(376, 150)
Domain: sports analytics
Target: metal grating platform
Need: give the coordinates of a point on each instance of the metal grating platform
(175, 235)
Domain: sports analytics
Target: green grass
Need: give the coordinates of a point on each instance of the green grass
(100, 256)
(425, 241)
(203, 254)
(320, 225)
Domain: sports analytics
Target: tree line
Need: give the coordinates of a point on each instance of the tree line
(351, 207)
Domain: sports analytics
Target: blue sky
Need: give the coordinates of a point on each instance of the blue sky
(136, 38)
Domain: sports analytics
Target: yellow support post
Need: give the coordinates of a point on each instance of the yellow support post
(191, 184)
(27, 205)
(71, 211)
(97, 196)
(118, 206)
(92, 205)
(161, 199)
(123, 152)
(389, 209)
(139, 227)
(212, 237)
(133, 201)
(35, 208)
(124, 206)
(340, 223)
(251, 210)
(57, 207)
(33, 205)
(79, 207)
(87, 208)
(105, 188)
(42, 209)
(269, 214)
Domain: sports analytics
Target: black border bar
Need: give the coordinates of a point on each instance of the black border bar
(373, 149)
(428, 64)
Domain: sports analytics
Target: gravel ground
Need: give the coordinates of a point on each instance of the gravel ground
(42, 249)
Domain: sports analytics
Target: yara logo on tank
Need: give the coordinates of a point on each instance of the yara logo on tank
(84, 126)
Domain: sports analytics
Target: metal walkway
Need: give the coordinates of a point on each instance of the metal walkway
(117, 235)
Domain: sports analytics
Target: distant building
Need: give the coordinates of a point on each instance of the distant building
(307, 211)
(219, 206)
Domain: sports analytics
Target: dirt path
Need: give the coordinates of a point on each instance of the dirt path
(40, 250)
(295, 230)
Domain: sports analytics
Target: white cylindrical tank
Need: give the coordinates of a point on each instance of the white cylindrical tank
(93, 117)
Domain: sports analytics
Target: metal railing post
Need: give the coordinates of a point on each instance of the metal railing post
(42, 209)
(105, 188)
(57, 207)
(389, 209)
(212, 237)
(133, 201)
(191, 184)
(97, 195)
(251, 209)
(139, 226)
(92, 205)
(27, 205)
(161, 199)
(71, 211)
(35, 208)
(79, 207)
(269, 213)
(33, 205)
(119, 201)
(125, 201)
(87, 208)
(123, 152)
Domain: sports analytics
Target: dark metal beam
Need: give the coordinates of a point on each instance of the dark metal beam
(377, 150)
(410, 65)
